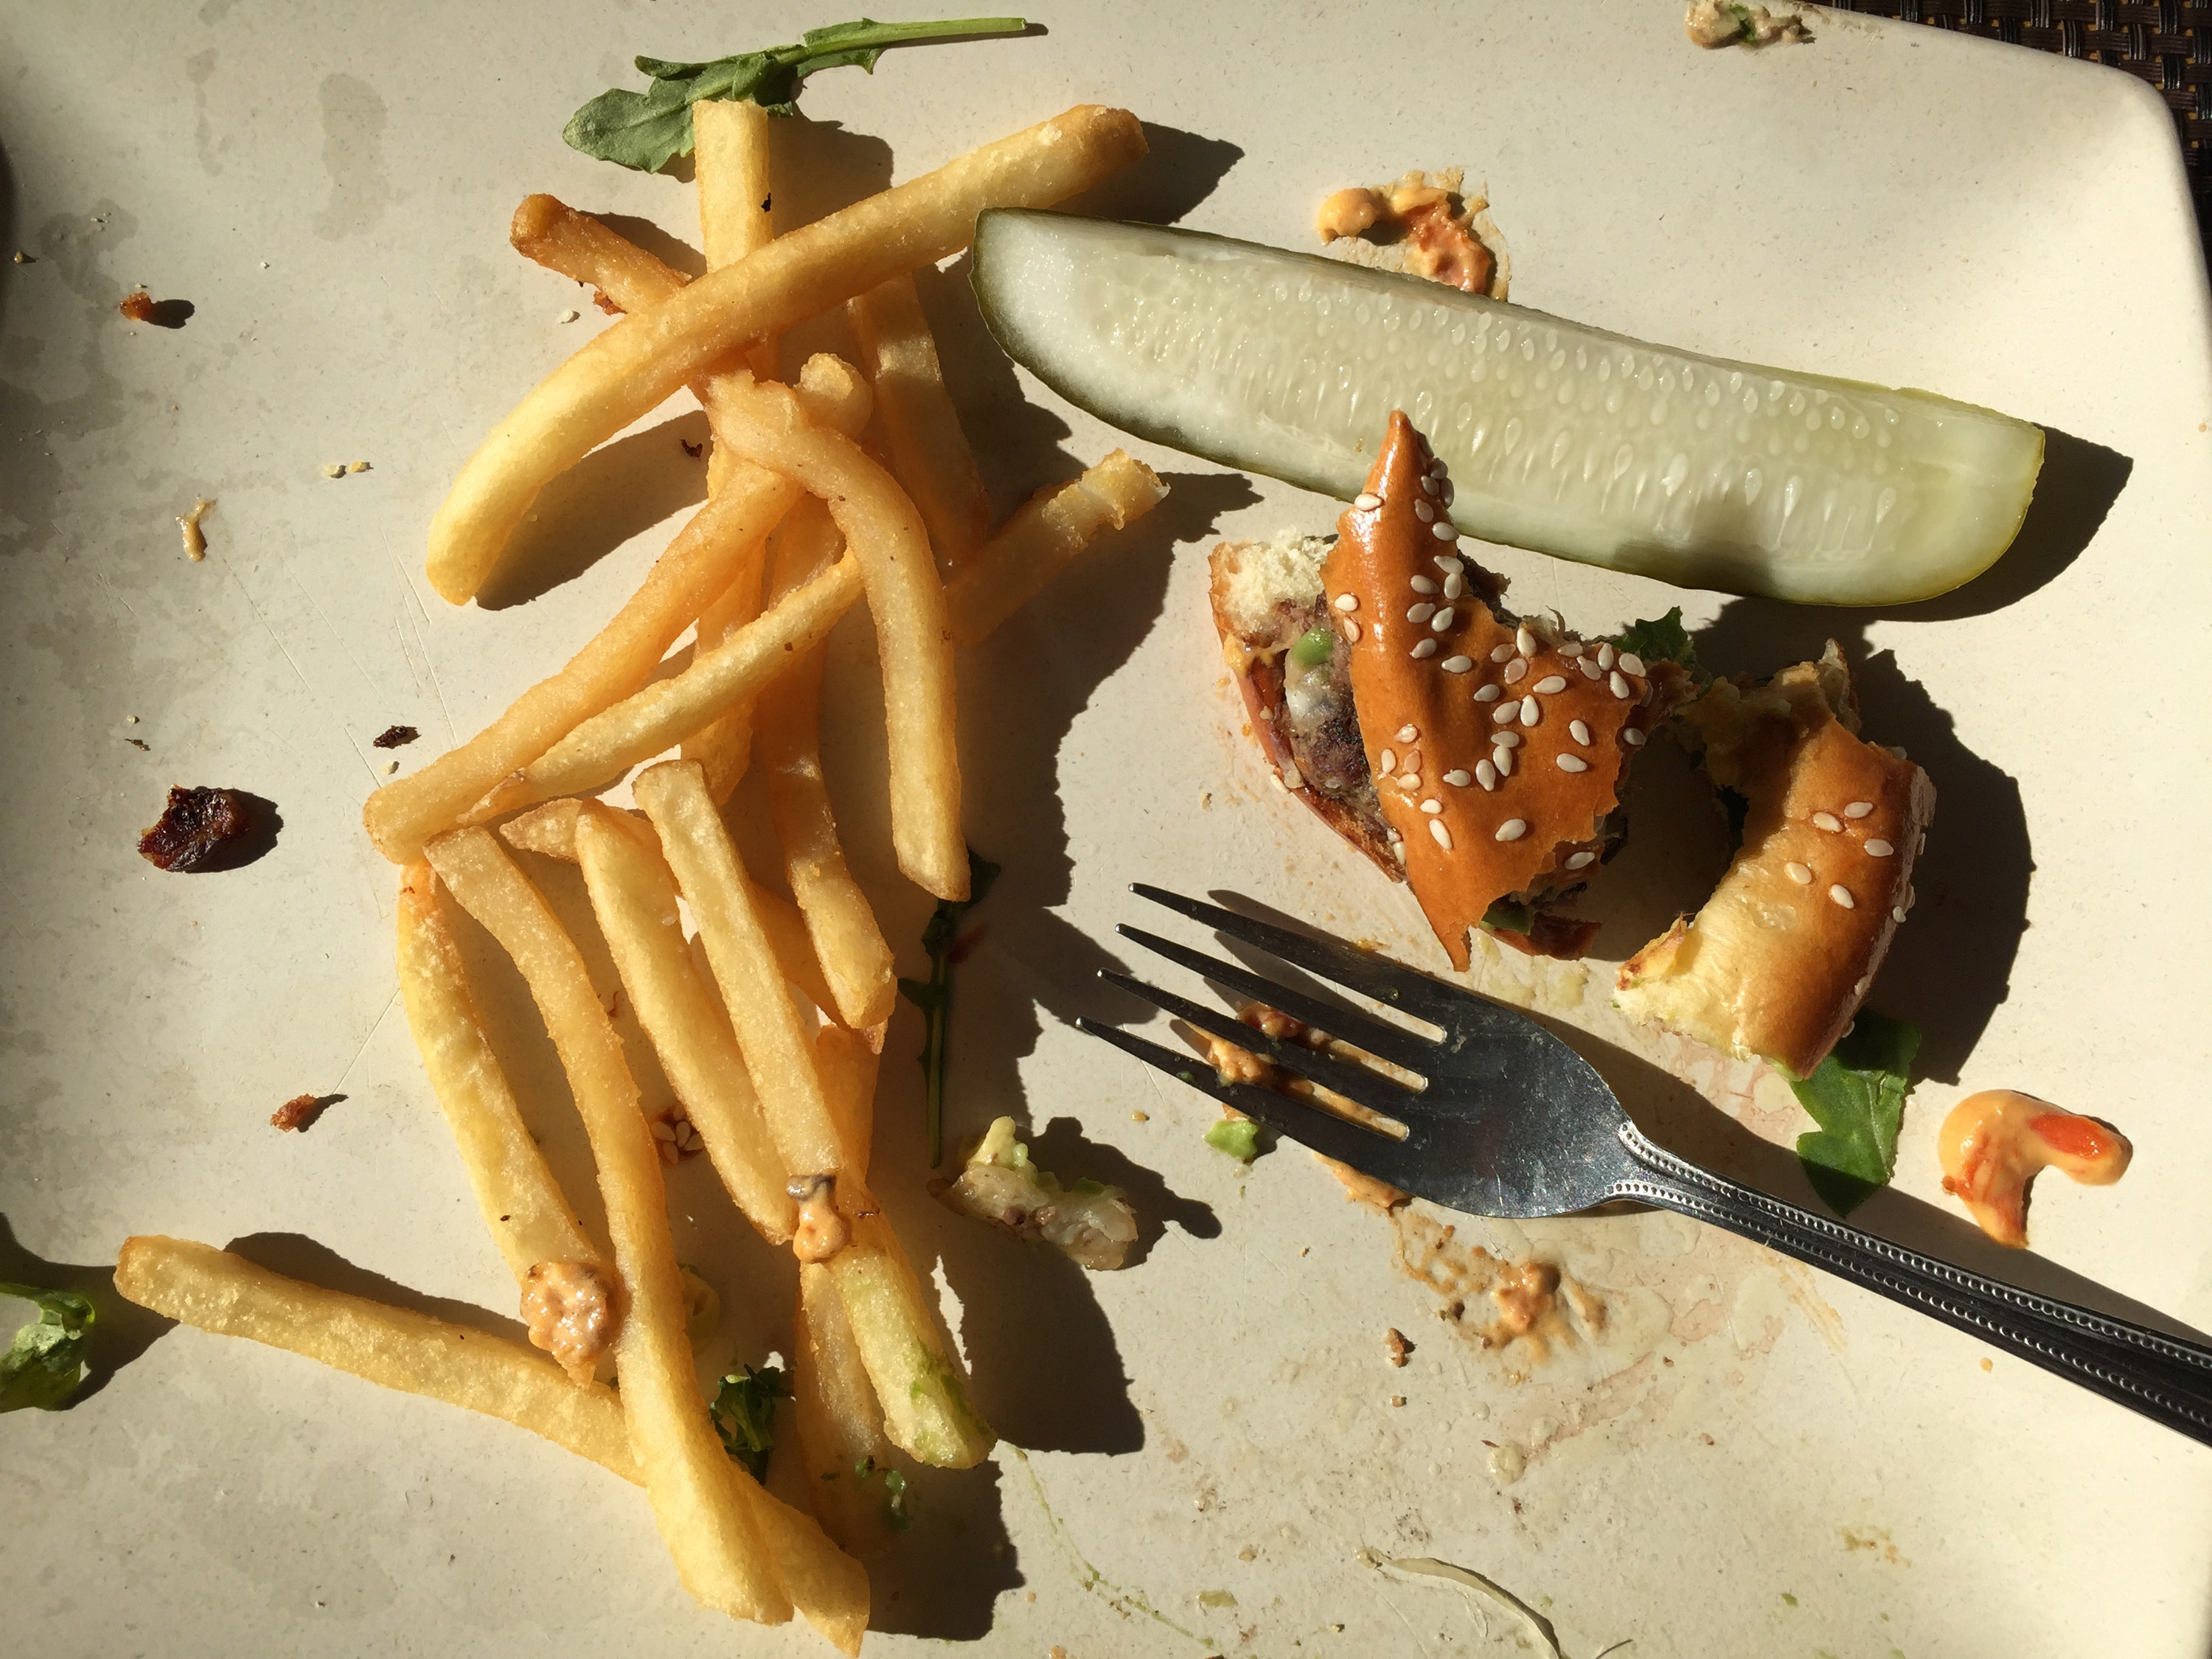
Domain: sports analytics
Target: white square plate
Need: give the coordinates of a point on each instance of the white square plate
(1739, 1457)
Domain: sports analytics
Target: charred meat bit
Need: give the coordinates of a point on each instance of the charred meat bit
(394, 737)
(196, 827)
(302, 1110)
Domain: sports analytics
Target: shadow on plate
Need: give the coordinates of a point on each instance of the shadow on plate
(121, 1329)
(619, 490)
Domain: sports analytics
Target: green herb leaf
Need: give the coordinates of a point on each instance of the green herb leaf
(46, 1362)
(644, 130)
(933, 995)
(1664, 637)
(1507, 915)
(1239, 1137)
(743, 1414)
(1857, 1096)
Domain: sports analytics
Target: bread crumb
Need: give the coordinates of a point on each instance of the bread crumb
(137, 306)
(335, 470)
(1395, 1347)
(390, 767)
(188, 525)
(570, 315)
(1141, 1117)
(1397, 1399)
(302, 1110)
(358, 466)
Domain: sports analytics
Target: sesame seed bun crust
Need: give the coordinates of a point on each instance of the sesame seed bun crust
(1480, 818)
(1777, 960)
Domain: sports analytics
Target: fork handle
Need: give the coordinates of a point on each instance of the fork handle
(2165, 1379)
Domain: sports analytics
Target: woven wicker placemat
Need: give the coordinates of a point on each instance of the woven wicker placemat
(2167, 44)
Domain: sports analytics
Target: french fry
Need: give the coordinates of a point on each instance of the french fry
(414, 1353)
(1031, 549)
(777, 1045)
(730, 161)
(417, 1353)
(846, 1062)
(707, 1527)
(529, 1217)
(884, 533)
(847, 941)
(628, 369)
(929, 453)
(927, 1411)
(841, 1426)
(634, 896)
(551, 829)
(603, 747)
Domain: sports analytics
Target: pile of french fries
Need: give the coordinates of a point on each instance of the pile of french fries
(769, 1020)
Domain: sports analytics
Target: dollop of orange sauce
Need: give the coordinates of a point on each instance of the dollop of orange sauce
(572, 1310)
(1994, 1144)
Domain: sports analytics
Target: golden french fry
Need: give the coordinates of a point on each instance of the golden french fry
(634, 896)
(729, 159)
(414, 1353)
(708, 1528)
(610, 743)
(846, 1061)
(777, 1045)
(529, 1217)
(417, 1353)
(841, 1426)
(927, 1411)
(913, 633)
(847, 941)
(631, 366)
(724, 746)
(549, 231)
(1055, 525)
(929, 453)
(551, 829)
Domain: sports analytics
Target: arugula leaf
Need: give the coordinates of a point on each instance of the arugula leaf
(898, 1501)
(743, 1414)
(1239, 1137)
(46, 1362)
(1856, 1095)
(1663, 636)
(644, 129)
(933, 995)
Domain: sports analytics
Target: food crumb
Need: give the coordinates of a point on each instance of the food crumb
(1986, 1364)
(1305, 1249)
(137, 306)
(302, 1110)
(141, 743)
(335, 470)
(23, 258)
(1141, 1117)
(694, 451)
(1247, 1553)
(197, 828)
(358, 466)
(1397, 1399)
(1712, 23)
(391, 767)
(570, 315)
(1206, 800)
(1029, 1595)
(394, 737)
(188, 525)
(1395, 1347)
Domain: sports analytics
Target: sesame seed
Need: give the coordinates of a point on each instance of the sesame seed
(1421, 612)
(1590, 670)
(1425, 648)
(1631, 737)
(1576, 729)
(1570, 647)
(1438, 469)
(1525, 640)
(1443, 619)
(1799, 873)
(1409, 732)
(1879, 849)
(1444, 835)
(1515, 672)
(1923, 843)
(1896, 913)
(1485, 774)
(1291, 777)
(1550, 683)
(1387, 760)
(1499, 653)
(1858, 809)
(1827, 821)
(1620, 685)
(1409, 779)
(1911, 898)
(1432, 806)
(1449, 492)
(1458, 779)
(1896, 750)
(1423, 584)
(1581, 860)
(1606, 655)
(1424, 512)
(1428, 485)
(1512, 828)
(1456, 665)
(1455, 586)
(1507, 739)
(1347, 602)
(1630, 663)
(1502, 758)
(1529, 713)
(1352, 631)
(1865, 984)
(1451, 564)
(1570, 762)
(1485, 693)
(1505, 711)
(1366, 502)
(664, 1130)
(1443, 531)
(1842, 895)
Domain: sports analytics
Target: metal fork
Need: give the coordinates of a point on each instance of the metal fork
(1511, 1122)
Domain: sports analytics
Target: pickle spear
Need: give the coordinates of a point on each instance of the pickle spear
(1559, 437)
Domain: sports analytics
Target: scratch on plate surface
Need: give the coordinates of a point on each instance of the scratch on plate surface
(1127, 1602)
(371, 1037)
